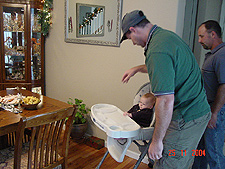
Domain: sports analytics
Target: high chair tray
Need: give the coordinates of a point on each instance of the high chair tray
(110, 119)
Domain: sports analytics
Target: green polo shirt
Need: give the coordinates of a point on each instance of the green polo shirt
(172, 69)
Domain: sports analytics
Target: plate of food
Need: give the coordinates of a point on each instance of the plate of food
(11, 99)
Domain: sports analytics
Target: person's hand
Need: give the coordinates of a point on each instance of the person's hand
(125, 113)
(131, 72)
(212, 121)
(128, 74)
(155, 150)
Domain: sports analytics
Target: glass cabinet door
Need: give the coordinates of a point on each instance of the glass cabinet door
(35, 46)
(21, 45)
(14, 43)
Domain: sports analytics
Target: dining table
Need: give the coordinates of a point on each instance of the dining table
(9, 120)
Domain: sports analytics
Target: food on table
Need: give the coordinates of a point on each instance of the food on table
(31, 100)
(11, 99)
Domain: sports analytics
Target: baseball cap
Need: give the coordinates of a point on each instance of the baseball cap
(129, 20)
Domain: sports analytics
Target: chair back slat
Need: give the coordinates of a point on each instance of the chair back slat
(55, 134)
(65, 145)
(54, 139)
(18, 143)
(43, 144)
(30, 151)
(46, 132)
(58, 138)
(37, 142)
(11, 139)
(49, 142)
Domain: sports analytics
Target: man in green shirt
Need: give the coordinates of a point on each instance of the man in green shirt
(181, 108)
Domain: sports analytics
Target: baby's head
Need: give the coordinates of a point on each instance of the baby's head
(147, 101)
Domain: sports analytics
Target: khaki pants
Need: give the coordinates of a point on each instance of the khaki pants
(180, 143)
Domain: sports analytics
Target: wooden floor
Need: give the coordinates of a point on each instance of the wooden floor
(82, 156)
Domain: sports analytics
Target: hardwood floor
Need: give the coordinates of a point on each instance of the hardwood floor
(82, 156)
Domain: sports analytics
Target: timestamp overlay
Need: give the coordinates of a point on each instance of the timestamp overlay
(184, 152)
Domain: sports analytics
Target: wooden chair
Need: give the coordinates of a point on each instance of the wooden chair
(46, 131)
(9, 139)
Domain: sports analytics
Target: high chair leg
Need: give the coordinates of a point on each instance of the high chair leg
(142, 155)
(103, 158)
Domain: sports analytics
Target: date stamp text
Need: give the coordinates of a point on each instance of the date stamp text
(184, 152)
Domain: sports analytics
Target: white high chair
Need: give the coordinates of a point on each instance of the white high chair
(122, 130)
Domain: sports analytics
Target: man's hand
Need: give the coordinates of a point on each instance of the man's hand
(131, 72)
(217, 105)
(212, 121)
(128, 74)
(155, 150)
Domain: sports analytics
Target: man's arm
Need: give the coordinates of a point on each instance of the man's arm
(163, 114)
(131, 72)
(217, 105)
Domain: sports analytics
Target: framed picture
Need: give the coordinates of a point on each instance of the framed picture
(94, 22)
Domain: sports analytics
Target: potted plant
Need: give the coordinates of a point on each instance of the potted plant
(80, 122)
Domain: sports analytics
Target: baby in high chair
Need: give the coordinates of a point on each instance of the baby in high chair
(142, 113)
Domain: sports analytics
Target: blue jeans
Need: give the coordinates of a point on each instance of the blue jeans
(214, 142)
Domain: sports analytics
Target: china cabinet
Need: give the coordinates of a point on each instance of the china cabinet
(21, 45)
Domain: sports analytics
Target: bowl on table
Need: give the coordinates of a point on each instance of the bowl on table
(30, 106)
(30, 102)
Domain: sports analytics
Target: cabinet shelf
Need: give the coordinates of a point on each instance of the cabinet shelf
(14, 31)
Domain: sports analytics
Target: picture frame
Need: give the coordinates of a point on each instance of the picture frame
(94, 22)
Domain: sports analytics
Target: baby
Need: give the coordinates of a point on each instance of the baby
(142, 113)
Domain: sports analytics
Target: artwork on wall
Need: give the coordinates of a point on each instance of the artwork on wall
(96, 23)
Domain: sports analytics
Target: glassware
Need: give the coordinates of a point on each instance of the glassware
(14, 43)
